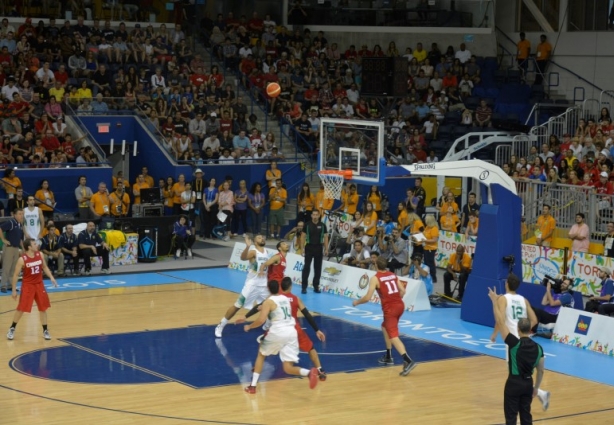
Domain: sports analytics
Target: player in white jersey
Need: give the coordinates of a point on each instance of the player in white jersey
(281, 338)
(255, 289)
(516, 307)
(33, 220)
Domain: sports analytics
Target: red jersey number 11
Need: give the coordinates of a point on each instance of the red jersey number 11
(392, 287)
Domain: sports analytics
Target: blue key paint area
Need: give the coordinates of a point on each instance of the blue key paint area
(194, 357)
(71, 364)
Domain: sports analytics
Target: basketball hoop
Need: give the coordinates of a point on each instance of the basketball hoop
(333, 182)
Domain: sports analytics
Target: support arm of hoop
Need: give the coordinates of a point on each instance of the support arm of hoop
(484, 172)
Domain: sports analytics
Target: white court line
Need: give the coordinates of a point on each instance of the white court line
(349, 354)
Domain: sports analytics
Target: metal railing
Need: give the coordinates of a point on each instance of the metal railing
(566, 201)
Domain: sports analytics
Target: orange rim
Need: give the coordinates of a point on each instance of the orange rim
(347, 174)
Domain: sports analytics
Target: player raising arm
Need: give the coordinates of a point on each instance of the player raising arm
(391, 295)
(524, 355)
(255, 289)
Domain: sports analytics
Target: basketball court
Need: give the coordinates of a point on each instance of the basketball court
(141, 350)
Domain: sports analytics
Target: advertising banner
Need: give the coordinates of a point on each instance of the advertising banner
(350, 282)
(585, 330)
(537, 262)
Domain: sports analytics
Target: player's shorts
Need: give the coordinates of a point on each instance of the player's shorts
(252, 294)
(281, 341)
(392, 314)
(29, 294)
(305, 344)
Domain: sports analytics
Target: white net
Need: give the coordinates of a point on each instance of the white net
(333, 183)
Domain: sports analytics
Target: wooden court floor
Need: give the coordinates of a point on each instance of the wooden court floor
(457, 391)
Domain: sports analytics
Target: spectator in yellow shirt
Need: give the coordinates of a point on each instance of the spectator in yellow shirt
(523, 48)
(322, 203)
(544, 51)
(431, 233)
(120, 201)
(278, 197)
(375, 197)
(273, 174)
(306, 203)
(100, 204)
(545, 227)
(458, 270)
(349, 201)
(449, 221)
(472, 225)
(369, 220)
(138, 186)
(450, 202)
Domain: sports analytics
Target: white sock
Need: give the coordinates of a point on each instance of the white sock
(541, 393)
(224, 321)
(255, 377)
(304, 372)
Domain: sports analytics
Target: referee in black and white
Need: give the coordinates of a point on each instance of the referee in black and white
(11, 232)
(524, 355)
(315, 247)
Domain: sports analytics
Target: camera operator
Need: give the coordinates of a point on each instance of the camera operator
(294, 237)
(606, 293)
(557, 295)
(120, 201)
(359, 256)
(420, 271)
(393, 248)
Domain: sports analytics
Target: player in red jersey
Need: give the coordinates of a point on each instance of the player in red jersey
(32, 288)
(304, 342)
(391, 296)
(276, 265)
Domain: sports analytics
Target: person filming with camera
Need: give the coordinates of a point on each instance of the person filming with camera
(595, 303)
(558, 294)
(294, 238)
(359, 256)
(393, 248)
(420, 271)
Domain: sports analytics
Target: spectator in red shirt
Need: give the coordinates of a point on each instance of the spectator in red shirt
(61, 75)
(419, 153)
(50, 142)
(6, 59)
(351, 53)
(247, 65)
(43, 125)
(18, 106)
(449, 80)
(339, 91)
(604, 186)
(199, 78)
(255, 24)
(364, 51)
(311, 91)
(226, 122)
(68, 147)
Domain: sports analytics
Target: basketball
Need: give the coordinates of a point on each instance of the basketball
(273, 89)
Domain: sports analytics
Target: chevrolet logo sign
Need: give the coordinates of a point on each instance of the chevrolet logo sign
(332, 271)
